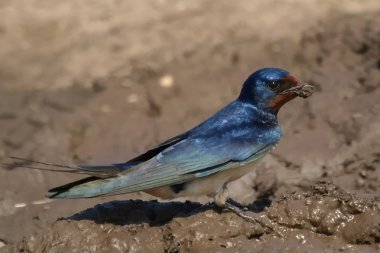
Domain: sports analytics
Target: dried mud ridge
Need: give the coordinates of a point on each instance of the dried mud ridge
(324, 217)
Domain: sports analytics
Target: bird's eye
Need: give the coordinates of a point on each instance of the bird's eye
(273, 85)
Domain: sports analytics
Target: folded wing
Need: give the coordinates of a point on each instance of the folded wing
(183, 161)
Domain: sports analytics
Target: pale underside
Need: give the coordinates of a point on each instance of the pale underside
(209, 185)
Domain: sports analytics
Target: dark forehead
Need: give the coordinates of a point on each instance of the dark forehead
(270, 74)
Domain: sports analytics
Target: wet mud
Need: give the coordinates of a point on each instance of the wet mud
(325, 217)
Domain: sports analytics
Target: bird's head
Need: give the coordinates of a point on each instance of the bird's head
(271, 88)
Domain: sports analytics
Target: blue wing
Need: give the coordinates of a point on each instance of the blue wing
(237, 134)
(182, 162)
(220, 143)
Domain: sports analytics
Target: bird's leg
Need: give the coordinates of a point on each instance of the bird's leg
(221, 198)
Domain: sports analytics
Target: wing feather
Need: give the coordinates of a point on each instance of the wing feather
(169, 169)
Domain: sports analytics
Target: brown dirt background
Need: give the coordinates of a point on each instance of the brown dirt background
(80, 82)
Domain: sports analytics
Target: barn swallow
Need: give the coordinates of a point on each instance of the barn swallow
(203, 160)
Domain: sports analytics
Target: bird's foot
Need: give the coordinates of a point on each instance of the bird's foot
(263, 221)
(222, 201)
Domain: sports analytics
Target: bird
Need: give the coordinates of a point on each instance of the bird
(202, 160)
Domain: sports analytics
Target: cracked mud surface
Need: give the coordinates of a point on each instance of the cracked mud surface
(68, 95)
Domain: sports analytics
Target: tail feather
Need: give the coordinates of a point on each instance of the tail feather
(24, 165)
(58, 192)
(102, 178)
(29, 161)
(86, 188)
(101, 171)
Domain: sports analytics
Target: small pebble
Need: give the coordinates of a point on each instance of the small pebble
(133, 98)
(19, 205)
(42, 201)
(166, 81)
(229, 245)
(357, 115)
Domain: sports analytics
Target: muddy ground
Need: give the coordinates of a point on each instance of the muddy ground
(96, 82)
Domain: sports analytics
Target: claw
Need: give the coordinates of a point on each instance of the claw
(264, 222)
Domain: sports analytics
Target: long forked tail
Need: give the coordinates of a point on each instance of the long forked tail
(101, 171)
(97, 184)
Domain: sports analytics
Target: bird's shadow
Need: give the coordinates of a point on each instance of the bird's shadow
(152, 212)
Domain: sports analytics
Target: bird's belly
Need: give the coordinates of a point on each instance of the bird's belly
(203, 186)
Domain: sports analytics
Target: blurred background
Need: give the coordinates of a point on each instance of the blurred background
(96, 81)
